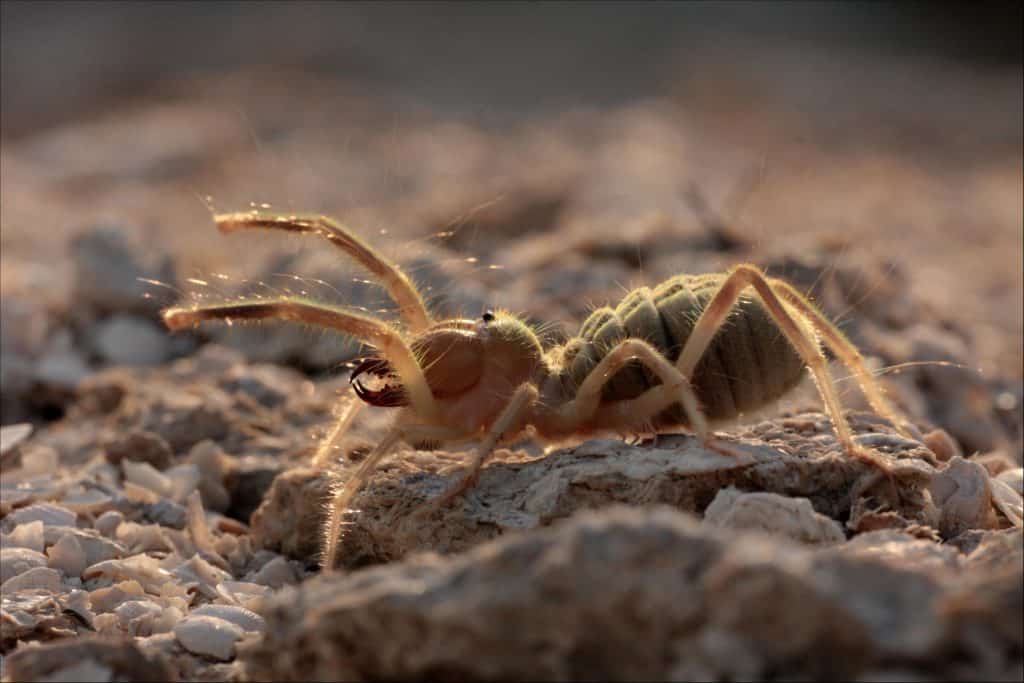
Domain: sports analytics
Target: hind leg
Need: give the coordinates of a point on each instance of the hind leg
(807, 346)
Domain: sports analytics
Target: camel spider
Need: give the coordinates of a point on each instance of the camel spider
(692, 349)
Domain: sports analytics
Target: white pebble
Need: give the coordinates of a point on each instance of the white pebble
(137, 616)
(87, 501)
(108, 522)
(14, 561)
(209, 636)
(142, 568)
(42, 578)
(47, 513)
(12, 435)
(184, 480)
(247, 619)
(95, 546)
(67, 556)
(275, 573)
(141, 538)
(40, 460)
(148, 477)
(242, 592)
(26, 536)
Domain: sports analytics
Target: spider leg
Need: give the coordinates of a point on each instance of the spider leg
(346, 414)
(510, 418)
(365, 328)
(847, 353)
(674, 388)
(410, 302)
(342, 497)
(717, 311)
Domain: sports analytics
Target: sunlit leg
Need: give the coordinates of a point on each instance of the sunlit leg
(410, 303)
(717, 311)
(847, 354)
(588, 397)
(375, 332)
(346, 414)
(511, 418)
(342, 498)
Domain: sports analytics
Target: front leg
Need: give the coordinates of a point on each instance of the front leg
(344, 494)
(511, 418)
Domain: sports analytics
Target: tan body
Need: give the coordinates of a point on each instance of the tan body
(749, 363)
(693, 349)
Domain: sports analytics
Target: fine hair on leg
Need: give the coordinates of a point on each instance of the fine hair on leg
(511, 415)
(587, 400)
(717, 311)
(342, 497)
(410, 303)
(364, 328)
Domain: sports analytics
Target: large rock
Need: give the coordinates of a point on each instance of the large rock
(794, 457)
(642, 594)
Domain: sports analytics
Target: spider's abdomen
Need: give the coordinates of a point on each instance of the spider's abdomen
(748, 364)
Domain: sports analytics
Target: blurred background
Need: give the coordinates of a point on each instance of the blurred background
(544, 157)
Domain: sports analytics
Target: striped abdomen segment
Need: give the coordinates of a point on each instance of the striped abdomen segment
(748, 364)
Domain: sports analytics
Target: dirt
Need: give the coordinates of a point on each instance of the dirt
(161, 519)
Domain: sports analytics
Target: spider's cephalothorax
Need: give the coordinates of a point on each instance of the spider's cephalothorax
(696, 347)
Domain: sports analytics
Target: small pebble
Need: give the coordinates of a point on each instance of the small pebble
(67, 556)
(208, 636)
(37, 578)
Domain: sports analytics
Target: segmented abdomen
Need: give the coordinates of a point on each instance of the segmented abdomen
(748, 363)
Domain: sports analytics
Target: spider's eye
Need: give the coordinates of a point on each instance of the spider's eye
(488, 316)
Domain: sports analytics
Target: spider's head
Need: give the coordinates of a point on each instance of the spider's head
(458, 356)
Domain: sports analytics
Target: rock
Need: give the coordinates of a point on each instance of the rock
(269, 385)
(140, 446)
(12, 435)
(904, 551)
(15, 561)
(964, 495)
(61, 367)
(48, 513)
(101, 393)
(56, 376)
(793, 518)
(130, 340)
(208, 636)
(148, 477)
(184, 419)
(36, 578)
(289, 519)
(121, 657)
(631, 594)
(248, 478)
(166, 513)
(211, 462)
(793, 457)
(96, 547)
(240, 616)
(275, 573)
(110, 273)
(28, 535)
(68, 556)
(108, 522)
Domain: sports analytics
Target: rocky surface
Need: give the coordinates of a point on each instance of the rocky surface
(655, 594)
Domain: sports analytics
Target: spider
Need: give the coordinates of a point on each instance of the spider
(693, 349)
